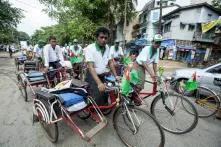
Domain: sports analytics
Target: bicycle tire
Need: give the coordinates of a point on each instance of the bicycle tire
(53, 138)
(160, 135)
(179, 129)
(22, 88)
(200, 104)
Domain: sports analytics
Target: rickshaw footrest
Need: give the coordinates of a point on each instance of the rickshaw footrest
(97, 128)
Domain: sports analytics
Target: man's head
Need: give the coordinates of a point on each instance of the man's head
(41, 43)
(52, 41)
(75, 42)
(157, 41)
(117, 43)
(102, 35)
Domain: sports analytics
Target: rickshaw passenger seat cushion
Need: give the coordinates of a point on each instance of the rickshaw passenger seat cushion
(32, 74)
(44, 95)
(79, 83)
(69, 99)
(35, 76)
(22, 58)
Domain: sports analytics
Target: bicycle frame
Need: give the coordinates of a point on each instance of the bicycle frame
(163, 89)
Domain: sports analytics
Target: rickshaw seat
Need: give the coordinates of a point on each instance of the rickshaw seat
(79, 83)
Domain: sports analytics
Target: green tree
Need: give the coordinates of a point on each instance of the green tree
(92, 12)
(9, 16)
(22, 36)
(217, 4)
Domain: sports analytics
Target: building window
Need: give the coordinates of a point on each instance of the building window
(143, 31)
(182, 26)
(158, 3)
(191, 27)
(164, 4)
(210, 17)
(167, 27)
(145, 18)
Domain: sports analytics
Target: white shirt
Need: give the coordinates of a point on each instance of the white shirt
(114, 53)
(38, 51)
(100, 61)
(76, 52)
(145, 56)
(28, 48)
(52, 55)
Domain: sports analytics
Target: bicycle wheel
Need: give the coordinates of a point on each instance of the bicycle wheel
(173, 115)
(137, 127)
(206, 102)
(50, 130)
(22, 87)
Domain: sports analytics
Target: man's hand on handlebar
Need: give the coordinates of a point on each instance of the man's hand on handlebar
(154, 78)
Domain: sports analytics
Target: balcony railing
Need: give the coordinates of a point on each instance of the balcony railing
(204, 37)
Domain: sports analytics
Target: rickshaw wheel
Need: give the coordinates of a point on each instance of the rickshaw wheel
(22, 87)
(50, 130)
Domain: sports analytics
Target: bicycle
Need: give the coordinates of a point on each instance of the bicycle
(168, 108)
(127, 119)
(206, 101)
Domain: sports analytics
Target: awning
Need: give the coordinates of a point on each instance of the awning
(168, 43)
(185, 48)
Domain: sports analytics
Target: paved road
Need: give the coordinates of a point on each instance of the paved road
(16, 127)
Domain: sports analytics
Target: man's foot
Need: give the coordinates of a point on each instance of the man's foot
(137, 100)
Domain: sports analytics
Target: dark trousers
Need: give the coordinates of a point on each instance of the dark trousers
(54, 65)
(100, 98)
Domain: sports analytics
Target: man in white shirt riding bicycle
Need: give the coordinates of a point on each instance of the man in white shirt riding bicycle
(149, 55)
(99, 65)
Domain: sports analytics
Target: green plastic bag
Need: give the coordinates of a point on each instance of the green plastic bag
(190, 85)
(134, 76)
(126, 60)
(76, 60)
(161, 70)
(125, 86)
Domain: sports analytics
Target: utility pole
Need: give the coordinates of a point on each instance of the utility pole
(160, 19)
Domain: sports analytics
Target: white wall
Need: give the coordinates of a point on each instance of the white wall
(201, 1)
(190, 15)
(183, 2)
(204, 15)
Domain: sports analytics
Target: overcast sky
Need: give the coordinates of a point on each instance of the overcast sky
(35, 18)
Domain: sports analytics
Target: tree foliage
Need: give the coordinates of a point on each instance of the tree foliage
(80, 17)
(9, 16)
(217, 4)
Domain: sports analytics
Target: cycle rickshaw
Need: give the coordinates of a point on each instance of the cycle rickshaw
(128, 120)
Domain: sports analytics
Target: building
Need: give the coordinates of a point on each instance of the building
(146, 21)
(149, 17)
(183, 35)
